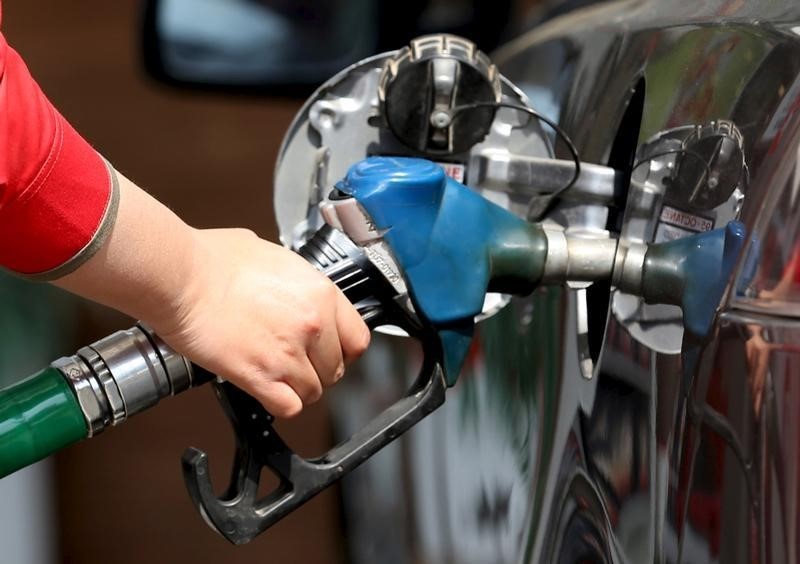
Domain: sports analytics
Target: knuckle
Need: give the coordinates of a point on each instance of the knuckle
(280, 404)
(311, 322)
(280, 410)
(313, 395)
(285, 352)
(268, 366)
(363, 341)
(287, 410)
(339, 372)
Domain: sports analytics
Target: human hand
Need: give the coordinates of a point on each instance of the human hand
(250, 311)
(263, 318)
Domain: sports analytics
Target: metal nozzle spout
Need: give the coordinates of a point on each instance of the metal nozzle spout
(577, 259)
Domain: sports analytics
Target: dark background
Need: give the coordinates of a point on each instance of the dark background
(210, 158)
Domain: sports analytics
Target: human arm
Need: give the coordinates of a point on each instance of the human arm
(246, 309)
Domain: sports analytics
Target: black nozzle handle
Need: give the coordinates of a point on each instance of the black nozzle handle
(238, 514)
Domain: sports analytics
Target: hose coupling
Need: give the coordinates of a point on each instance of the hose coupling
(122, 374)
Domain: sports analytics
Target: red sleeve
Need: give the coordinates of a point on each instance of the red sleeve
(57, 195)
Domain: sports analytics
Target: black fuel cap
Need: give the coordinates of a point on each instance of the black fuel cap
(422, 84)
(709, 168)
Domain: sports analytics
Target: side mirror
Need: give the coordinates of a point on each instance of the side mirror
(258, 45)
(293, 46)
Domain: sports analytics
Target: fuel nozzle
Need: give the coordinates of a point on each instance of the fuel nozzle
(452, 246)
(411, 247)
(408, 246)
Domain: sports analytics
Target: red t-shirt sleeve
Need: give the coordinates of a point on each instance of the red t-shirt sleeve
(57, 194)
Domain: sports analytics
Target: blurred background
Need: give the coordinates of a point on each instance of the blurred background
(120, 497)
(209, 155)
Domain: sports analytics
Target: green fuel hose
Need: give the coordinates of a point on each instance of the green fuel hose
(38, 416)
(79, 396)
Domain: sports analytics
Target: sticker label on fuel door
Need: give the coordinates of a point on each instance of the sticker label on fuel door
(454, 171)
(675, 224)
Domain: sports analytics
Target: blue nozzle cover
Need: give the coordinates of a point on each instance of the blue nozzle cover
(693, 273)
(443, 236)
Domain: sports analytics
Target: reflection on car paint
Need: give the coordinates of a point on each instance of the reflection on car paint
(674, 447)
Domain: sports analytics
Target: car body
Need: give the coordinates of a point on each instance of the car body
(589, 427)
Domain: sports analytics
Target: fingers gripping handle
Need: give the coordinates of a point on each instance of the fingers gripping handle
(332, 253)
(238, 514)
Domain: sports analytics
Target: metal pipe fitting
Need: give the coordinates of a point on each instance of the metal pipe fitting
(629, 268)
(577, 259)
(122, 374)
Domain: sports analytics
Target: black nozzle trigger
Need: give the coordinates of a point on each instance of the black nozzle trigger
(238, 514)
